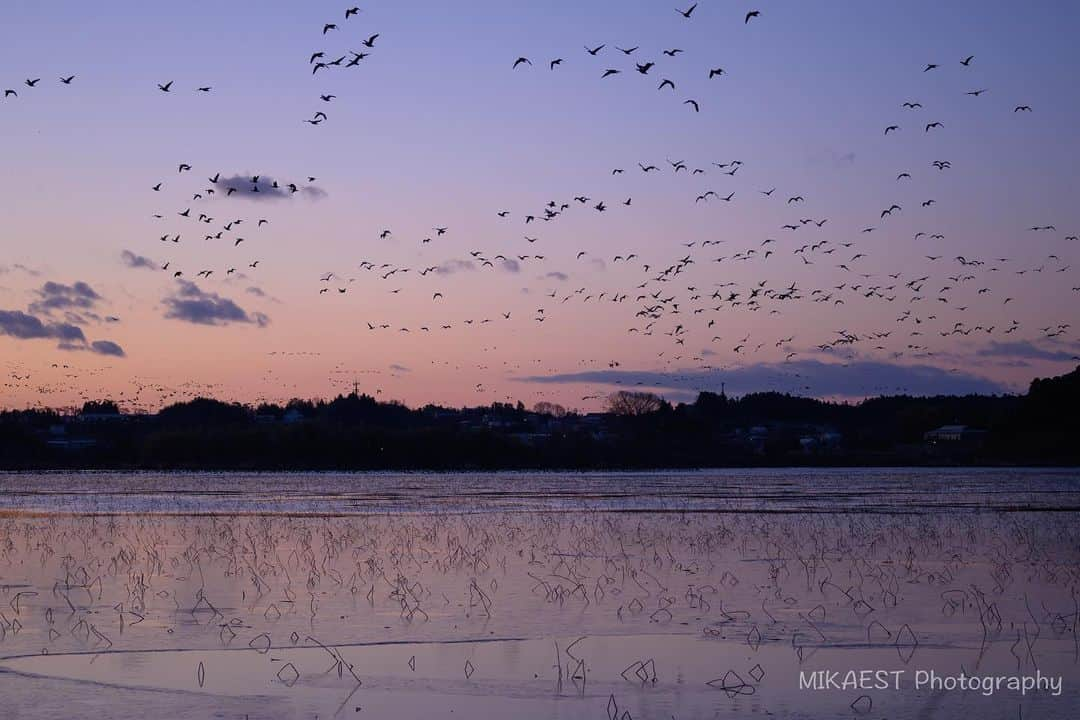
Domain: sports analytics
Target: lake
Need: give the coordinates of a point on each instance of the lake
(711, 594)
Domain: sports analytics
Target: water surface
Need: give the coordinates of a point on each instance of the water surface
(630, 595)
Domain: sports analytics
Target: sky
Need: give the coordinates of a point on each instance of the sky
(436, 128)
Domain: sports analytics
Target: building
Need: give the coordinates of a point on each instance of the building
(955, 435)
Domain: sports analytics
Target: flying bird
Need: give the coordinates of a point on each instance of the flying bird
(688, 11)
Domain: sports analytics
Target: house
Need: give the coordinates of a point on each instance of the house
(955, 435)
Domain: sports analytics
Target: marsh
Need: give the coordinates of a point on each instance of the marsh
(624, 595)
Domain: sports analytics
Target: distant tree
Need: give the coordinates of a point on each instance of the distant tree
(629, 403)
(204, 412)
(100, 407)
(549, 408)
(269, 409)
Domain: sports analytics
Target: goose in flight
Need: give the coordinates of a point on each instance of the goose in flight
(688, 11)
(167, 87)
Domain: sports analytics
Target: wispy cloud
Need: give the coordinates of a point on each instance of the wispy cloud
(137, 262)
(1023, 349)
(18, 267)
(190, 303)
(454, 266)
(268, 188)
(812, 377)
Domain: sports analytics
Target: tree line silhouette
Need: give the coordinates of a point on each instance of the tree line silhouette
(638, 430)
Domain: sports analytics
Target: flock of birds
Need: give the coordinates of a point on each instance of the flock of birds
(680, 291)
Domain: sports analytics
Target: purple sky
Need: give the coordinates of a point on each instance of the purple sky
(434, 128)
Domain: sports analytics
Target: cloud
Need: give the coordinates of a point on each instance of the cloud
(57, 296)
(400, 368)
(848, 380)
(265, 190)
(258, 292)
(136, 262)
(106, 347)
(556, 275)
(833, 158)
(23, 326)
(191, 304)
(18, 267)
(452, 266)
(1022, 349)
(510, 265)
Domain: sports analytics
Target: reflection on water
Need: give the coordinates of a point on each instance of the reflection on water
(631, 596)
